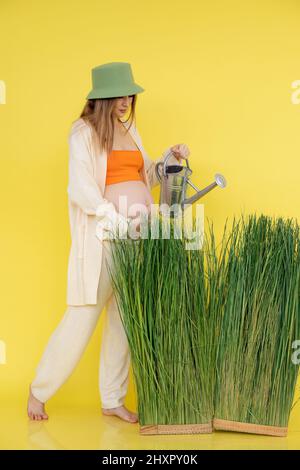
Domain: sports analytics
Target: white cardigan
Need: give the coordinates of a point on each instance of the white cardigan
(87, 175)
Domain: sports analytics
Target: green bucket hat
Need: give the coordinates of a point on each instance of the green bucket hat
(112, 80)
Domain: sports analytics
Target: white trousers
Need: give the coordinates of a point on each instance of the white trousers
(70, 338)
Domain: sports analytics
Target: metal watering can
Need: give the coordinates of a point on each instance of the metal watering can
(173, 184)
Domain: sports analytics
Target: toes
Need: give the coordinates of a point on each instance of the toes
(37, 415)
(132, 419)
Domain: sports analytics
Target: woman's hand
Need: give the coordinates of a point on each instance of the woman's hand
(113, 224)
(180, 151)
(135, 224)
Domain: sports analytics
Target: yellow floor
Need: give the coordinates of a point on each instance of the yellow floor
(83, 427)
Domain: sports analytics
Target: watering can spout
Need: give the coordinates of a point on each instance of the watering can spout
(219, 181)
(174, 180)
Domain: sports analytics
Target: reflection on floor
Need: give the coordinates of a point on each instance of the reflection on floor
(82, 427)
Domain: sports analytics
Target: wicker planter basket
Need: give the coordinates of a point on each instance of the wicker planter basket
(177, 429)
(226, 425)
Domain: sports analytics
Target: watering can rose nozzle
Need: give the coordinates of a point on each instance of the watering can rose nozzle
(174, 180)
(219, 181)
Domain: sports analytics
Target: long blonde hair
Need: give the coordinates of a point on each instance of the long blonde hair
(98, 114)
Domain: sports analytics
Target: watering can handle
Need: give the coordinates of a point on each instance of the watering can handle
(157, 171)
(167, 158)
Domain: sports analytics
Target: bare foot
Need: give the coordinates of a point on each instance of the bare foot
(35, 408)
(122, 413)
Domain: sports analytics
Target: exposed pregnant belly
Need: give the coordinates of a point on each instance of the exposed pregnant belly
(130, 198)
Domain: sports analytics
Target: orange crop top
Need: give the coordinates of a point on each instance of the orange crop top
(124, 165)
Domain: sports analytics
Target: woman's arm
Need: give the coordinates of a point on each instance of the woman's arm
(84, 191)
(82, 187)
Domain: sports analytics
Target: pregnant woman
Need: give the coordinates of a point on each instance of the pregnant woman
(110, 181)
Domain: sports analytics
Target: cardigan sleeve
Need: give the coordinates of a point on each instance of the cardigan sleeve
(82, 186)
(150, 164)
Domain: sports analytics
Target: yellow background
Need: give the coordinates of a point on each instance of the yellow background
(217, 76)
